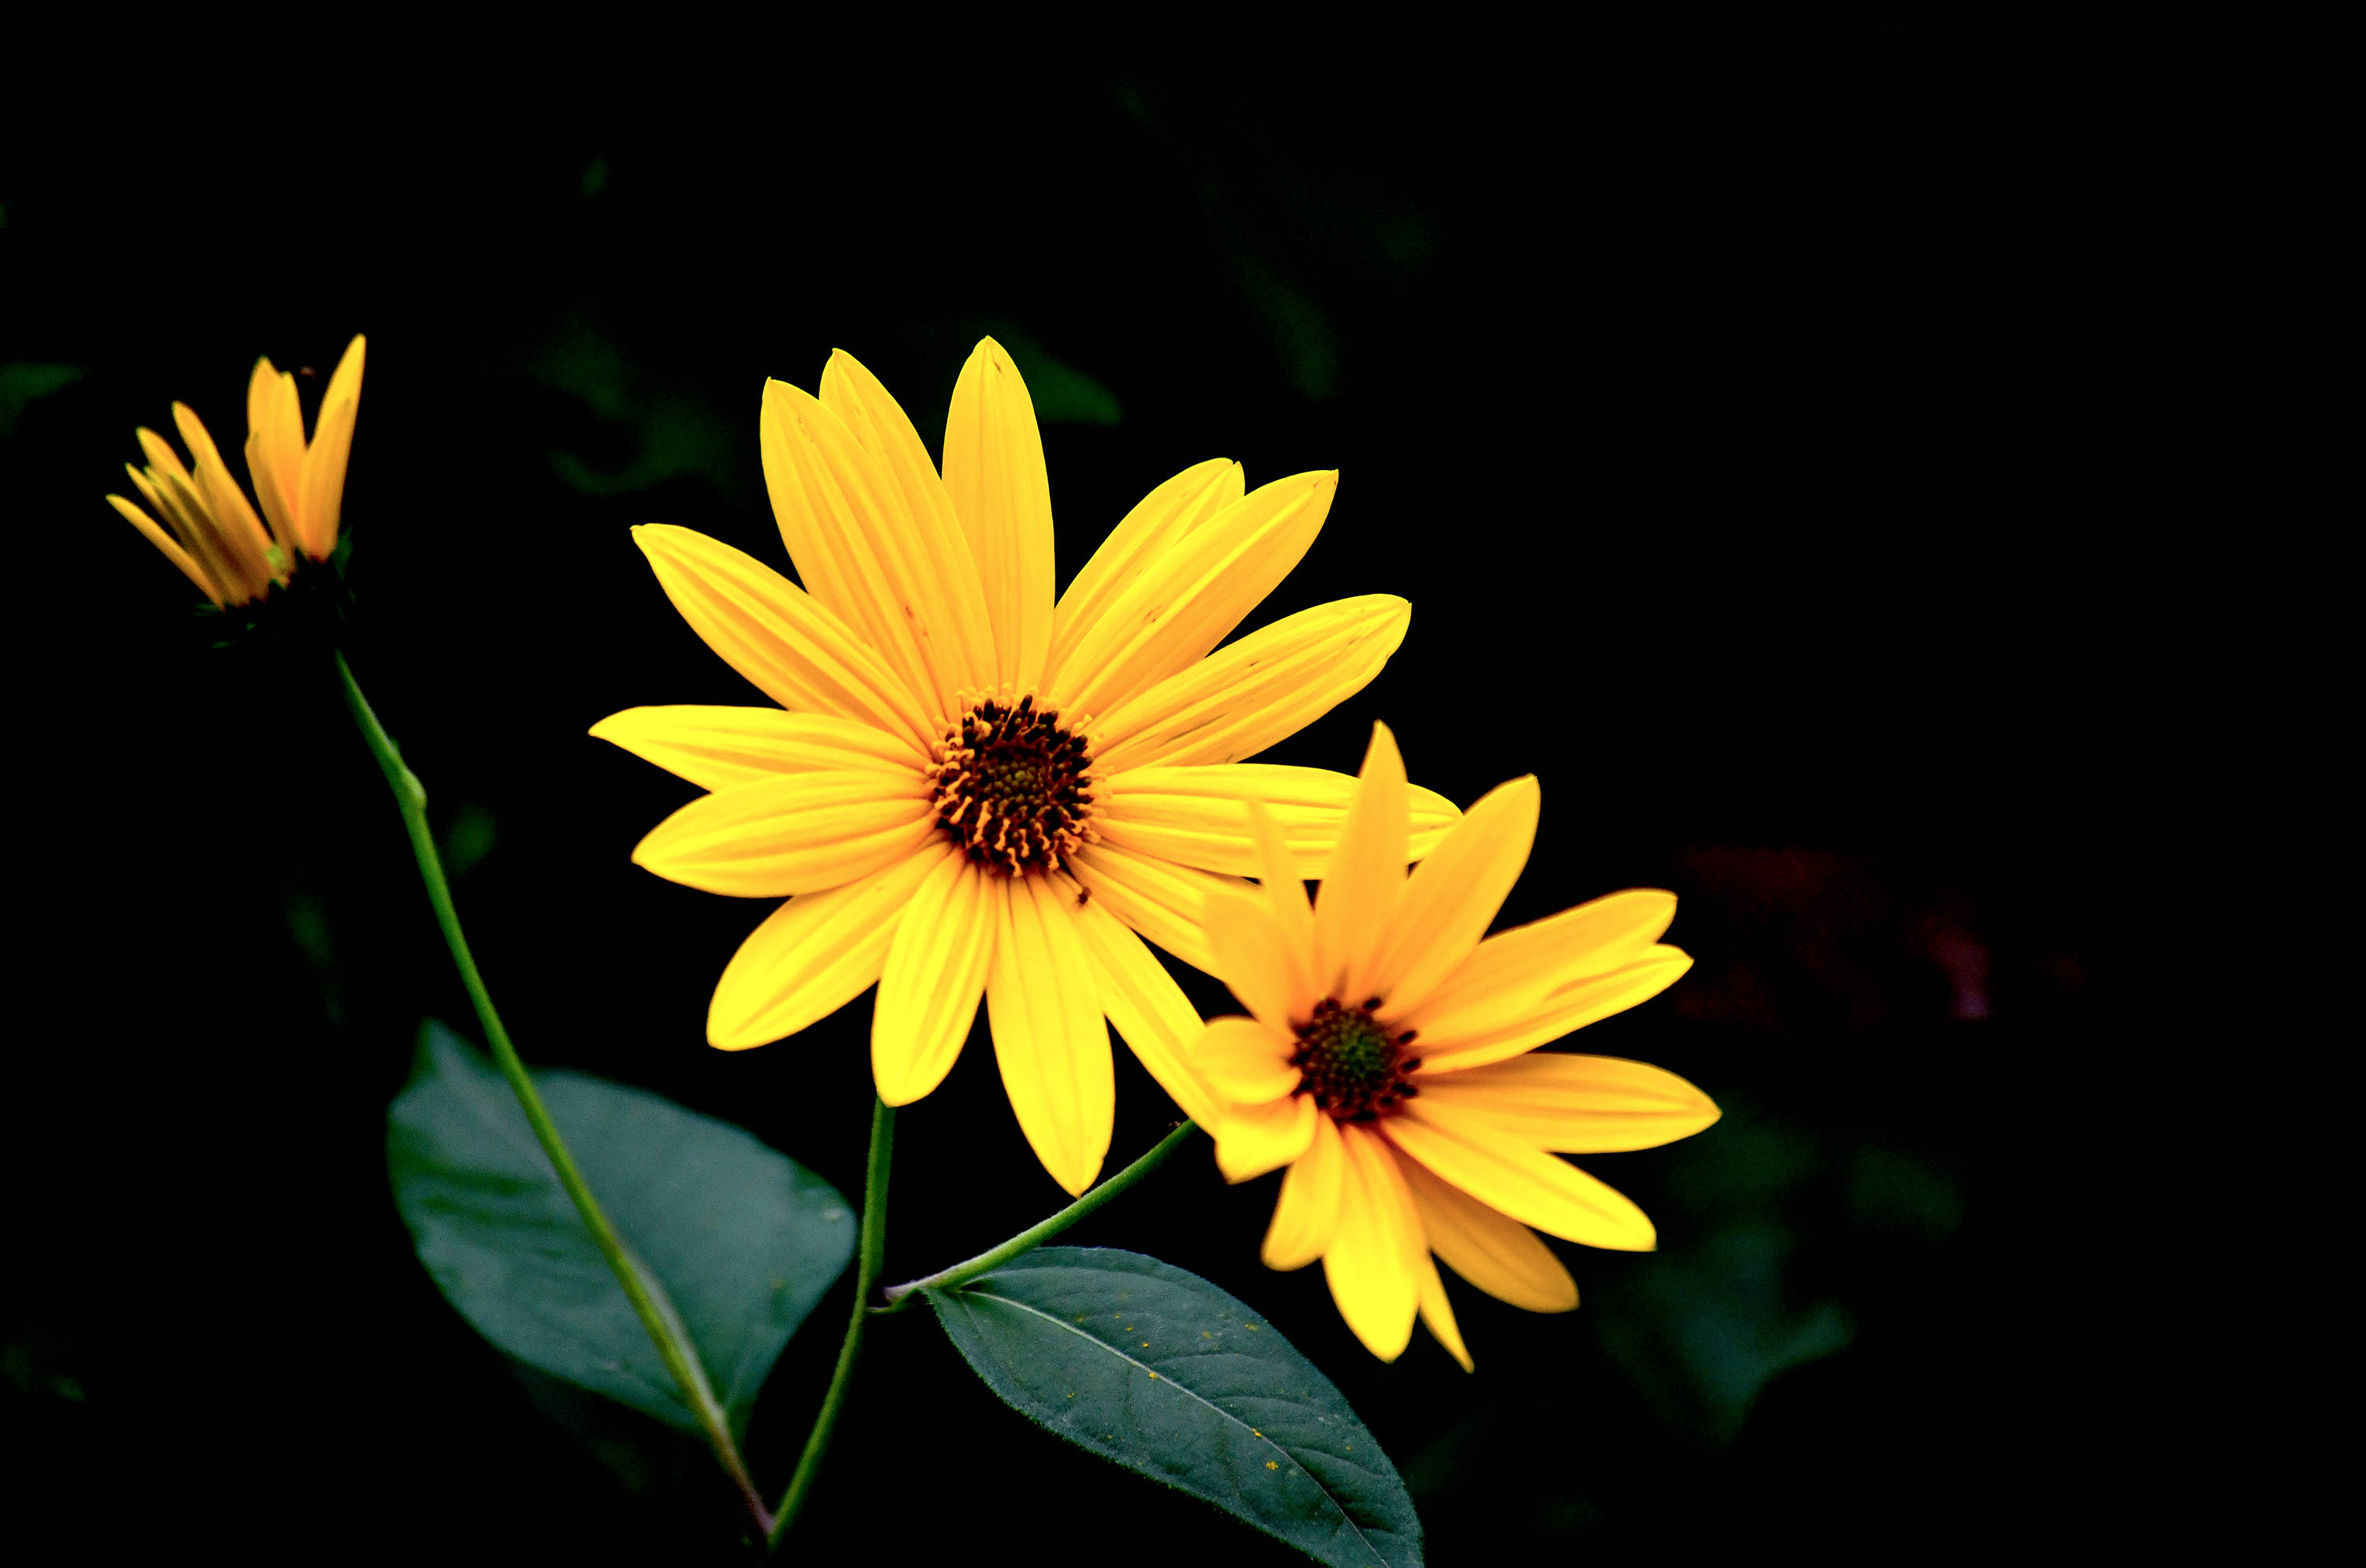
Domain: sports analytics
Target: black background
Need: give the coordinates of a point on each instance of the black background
(1741, 413)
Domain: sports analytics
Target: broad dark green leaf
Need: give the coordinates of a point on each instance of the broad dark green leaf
(1167, 1375)
(740, 1240)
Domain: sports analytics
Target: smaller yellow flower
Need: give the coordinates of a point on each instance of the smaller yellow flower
(1389, 1061)
(209, 529)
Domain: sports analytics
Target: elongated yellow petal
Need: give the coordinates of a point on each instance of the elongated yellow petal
(1246, 1061)
(929, 989)
(1503, 976)
(1500, 1256)
(1165, 902)
(1576, 1105)
(1437, 1312)
(275, 447)
(183, 512)
(156, 535)
(1365, 878)
(1448, 1044)
(1193, 816)
(1259, 960)
(1150, 1011)
(1454, 892)
(1306, 1216)
(771, 630)
(1286, 903)
(1180, 606)
(1261, 689)
(850, 528)
(994, 469)
(1371, 1265)
(716, 748)
(1043, 996)
(956, 637)
(1521, 1181)
(1156, 522)
(321, 507)
(789, 833)
(1254, 1139)
(816, 953)
(239, 530)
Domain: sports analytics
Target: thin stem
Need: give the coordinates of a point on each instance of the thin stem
(903, 1295)
(672, 1344)
(873, 1248)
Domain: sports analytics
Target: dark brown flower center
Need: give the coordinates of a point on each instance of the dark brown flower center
(1013, 786)
(1353, 1067)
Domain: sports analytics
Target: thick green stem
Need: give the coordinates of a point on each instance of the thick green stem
(901, 1296)
(873, 1248)
(680, 1359)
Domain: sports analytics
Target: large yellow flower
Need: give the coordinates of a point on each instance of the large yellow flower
(209, 530)
(1389, 1061)
(968, 787)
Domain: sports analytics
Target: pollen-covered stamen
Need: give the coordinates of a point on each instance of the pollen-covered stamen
(1353, 1066)
(1014, 785)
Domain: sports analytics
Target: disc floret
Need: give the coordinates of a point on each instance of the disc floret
(1354, 1066)
(1014, 784)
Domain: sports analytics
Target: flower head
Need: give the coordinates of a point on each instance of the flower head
(1390, 1061)
(209, 529)
(971, 786)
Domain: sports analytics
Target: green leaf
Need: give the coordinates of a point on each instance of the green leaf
(1167, 1375)
(739, 1241)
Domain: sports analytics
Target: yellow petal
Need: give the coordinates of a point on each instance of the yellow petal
(929, 989)
(771, 630)
(1450, 1044)
(1576, 1105)
(1285, 900)
(1524, 1182)
(1150, 1011)
(1259, 690)
(1165, 902)
(1362, 884)
(1259, 960)
(1503, 976)
(1254, 1139)
(1043, 998)
(1192, 815)
(789, 833)
(1306, 1216)
(1371, 1265)
(1179, 606)
(956, 638)
(1244, 1061)
(1500, 1256)
(1437, 1312)
(864, 556)
(275, 447)
(994, 469)
(1156, 522)
(157, 536)
(1454, 892)
(321, 508)
(183, 511)
(716, 748)
(817, 952)
(240, 531)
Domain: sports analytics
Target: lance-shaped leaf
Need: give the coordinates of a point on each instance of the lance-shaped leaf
(736, 1240)
(1165, 1374)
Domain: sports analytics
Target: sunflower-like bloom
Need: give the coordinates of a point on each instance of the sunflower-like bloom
(970, 787)
(1389, 1061)
(209, 529)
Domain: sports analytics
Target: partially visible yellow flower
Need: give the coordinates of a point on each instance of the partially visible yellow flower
(1387, 1062)
(974, 787)
(210, 529)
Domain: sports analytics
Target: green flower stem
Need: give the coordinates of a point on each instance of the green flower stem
(873, 1248)
(672, 1342)
(903, 1295)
